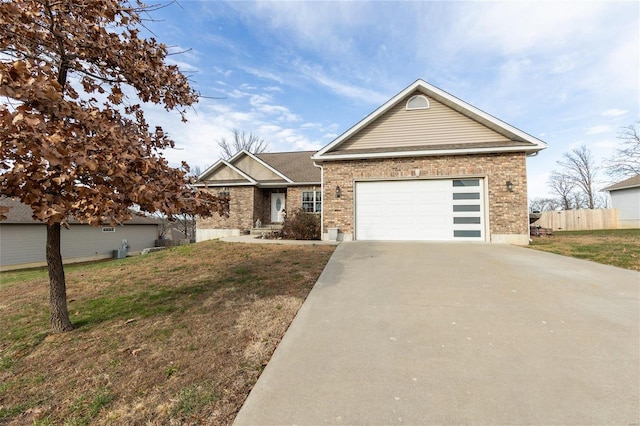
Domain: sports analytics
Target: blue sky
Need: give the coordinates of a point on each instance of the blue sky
(301, 73)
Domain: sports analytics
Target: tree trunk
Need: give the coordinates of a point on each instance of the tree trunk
(57, 285)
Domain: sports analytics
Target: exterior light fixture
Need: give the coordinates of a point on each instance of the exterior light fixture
(509, 186)
(338, 192)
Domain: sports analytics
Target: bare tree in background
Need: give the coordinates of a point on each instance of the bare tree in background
(562, 185)
(579, 165)
(242, 141)
(625, 162)
(543, 204)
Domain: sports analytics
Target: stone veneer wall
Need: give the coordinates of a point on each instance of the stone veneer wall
(508, 211)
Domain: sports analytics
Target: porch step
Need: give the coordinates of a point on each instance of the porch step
(265, 229)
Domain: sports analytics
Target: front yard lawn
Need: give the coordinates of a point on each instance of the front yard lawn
(617, 247)
(173, 337)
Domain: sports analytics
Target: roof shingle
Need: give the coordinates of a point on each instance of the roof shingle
(297, 166)
(632, 182)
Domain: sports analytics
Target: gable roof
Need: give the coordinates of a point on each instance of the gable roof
(508, 138)
(264, 169)
(297, 166)
(632, 182)
(235, 175)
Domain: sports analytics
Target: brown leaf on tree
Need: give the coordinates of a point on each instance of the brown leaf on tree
(61, 153)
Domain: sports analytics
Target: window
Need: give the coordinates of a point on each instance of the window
(108, 229)
(466, 208)
(418, 102)
(467, 234)
(473, 220)
(312, 201)
(466, 195)
(466, 182)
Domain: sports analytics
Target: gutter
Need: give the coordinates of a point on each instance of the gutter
(400, 154)
(321, 189)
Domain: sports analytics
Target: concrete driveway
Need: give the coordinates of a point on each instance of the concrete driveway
(438, 333)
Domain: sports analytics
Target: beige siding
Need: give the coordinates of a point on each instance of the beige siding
(399, 128)
(225, 173)
(255, 169)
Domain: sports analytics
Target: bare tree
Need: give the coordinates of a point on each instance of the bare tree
(242, 141)
(186, 225)
(543, 204)
(562, 184)
(625, 162)
(579, 165)
(580, 201)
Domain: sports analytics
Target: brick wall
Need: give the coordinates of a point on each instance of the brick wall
(247, 204)
(294, 196)
(508, 211)
(241, 204)
(262, 206)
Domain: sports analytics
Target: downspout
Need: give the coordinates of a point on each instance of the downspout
(531, 154)
(322, 209)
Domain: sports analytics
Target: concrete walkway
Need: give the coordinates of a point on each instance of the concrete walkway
(254, 239)
(438, 333)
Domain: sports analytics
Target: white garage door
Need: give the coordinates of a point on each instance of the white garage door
(420, 210)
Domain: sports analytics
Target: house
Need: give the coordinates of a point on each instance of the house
(261, 188)
(625, 197)
(23, 239)
(424, 166)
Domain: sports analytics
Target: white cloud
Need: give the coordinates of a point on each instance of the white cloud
(225, 73)
(615, 112)
(525, 27)
(563, 64)
(368, 95)
(273, 89)
(185, 67)
(598, 129)
(263, 74)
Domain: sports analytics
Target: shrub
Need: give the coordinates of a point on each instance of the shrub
(301, 225)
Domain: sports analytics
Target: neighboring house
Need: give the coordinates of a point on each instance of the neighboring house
(23, 239)
(261, 188)
(424, 166)
(625, 197)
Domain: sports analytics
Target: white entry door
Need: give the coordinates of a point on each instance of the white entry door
(277, 207)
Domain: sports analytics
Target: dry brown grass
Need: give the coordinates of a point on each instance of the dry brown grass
(617, 247)
(175, 337)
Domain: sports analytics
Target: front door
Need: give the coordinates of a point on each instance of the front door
(277, 207)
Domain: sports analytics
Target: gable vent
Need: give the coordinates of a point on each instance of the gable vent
(418, 102)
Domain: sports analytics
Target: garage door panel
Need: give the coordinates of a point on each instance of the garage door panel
(420, 210)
